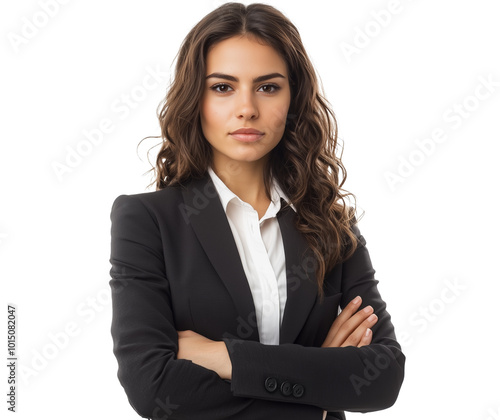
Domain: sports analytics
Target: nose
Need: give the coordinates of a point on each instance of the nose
(246, 106)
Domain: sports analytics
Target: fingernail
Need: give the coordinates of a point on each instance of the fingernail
(356, 300)
(372, 317)
(368, 309)
(368, 332)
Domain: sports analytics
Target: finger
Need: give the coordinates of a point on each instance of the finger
(348, 311)
(348, 327)
(357, 335)
(341, 319)
(366, 339)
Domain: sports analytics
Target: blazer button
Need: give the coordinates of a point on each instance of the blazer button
(271, 384)
(298, 390)
(286, 388)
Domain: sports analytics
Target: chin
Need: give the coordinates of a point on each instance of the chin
(246, 159)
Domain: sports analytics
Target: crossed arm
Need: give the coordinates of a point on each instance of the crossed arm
(350, 328)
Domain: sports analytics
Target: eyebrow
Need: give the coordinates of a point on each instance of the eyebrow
(234, 79)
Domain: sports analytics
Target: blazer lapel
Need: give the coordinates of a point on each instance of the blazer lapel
(302, 289)
(210, 224)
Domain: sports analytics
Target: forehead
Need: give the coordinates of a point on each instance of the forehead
(243, 55)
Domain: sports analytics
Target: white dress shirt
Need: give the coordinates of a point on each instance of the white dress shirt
(262, 254)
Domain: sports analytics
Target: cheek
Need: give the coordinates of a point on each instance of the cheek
(277, 118)
(211, 115)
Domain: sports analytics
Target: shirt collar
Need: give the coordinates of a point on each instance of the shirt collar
(226, 195)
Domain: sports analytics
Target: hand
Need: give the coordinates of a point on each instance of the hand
(210, 354)
(352, 327)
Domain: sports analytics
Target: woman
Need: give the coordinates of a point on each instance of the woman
(227, 280)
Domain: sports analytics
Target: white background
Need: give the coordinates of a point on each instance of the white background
(436, 228)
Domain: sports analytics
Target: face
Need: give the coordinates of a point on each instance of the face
(245, 101)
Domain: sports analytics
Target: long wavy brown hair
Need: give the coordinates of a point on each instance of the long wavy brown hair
(304, 163)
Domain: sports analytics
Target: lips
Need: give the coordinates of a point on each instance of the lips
(247, 135)
(247, 131)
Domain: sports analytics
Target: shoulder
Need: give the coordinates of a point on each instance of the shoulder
(161, 205)
(154, 203)
(151, 198)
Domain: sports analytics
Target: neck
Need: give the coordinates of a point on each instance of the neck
(245, 179)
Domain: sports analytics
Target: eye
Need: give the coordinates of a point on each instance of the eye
(270, 88)
(221, 88)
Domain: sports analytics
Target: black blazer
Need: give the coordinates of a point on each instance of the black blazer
(175, 266)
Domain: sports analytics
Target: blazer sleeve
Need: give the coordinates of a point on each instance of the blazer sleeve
(157, 384)
(337, 379)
